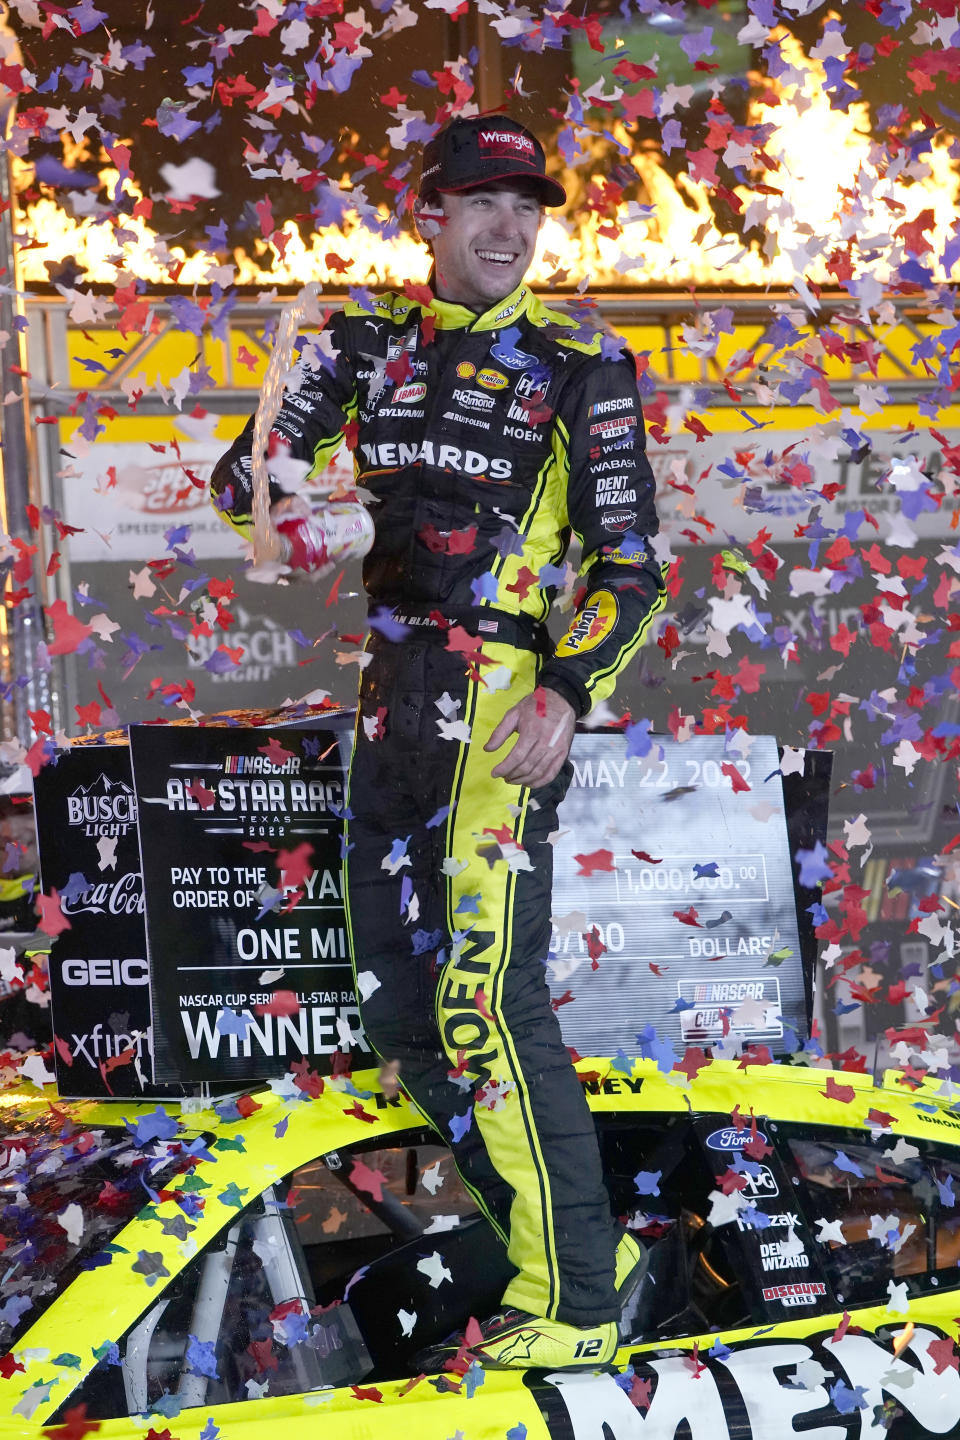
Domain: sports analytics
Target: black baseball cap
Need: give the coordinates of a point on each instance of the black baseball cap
(483, 148)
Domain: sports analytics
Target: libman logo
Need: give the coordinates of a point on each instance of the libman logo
(407, 394)
(105, 807)
(592, 625)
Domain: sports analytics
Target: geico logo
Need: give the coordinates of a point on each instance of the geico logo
(473, 400)
(84, 808)
(105, 972)
(443, 457)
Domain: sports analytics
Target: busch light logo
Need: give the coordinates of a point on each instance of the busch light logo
(106, 807)
(730, 1138)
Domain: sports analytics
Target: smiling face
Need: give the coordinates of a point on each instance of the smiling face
(485, 243)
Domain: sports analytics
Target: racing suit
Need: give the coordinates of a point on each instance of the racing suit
(480, 442)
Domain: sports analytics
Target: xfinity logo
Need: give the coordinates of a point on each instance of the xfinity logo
(441, 457)
(731, 1138)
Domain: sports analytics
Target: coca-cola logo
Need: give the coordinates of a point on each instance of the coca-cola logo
(123, 896)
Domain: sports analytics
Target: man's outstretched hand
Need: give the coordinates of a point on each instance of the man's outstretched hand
(544, 724)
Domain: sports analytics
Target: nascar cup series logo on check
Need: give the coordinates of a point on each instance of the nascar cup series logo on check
(592, 625)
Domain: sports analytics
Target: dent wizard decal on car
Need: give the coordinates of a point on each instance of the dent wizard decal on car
(762, 1390)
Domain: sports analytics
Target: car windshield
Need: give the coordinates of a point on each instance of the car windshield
(66, 1191)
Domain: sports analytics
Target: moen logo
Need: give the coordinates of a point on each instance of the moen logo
(106, 807)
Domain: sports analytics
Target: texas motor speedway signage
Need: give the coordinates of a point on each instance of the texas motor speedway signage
(240, 838)
(673, 898)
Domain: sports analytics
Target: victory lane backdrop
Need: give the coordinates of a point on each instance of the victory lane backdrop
(86, 815)
(240, 841)
(675, 916)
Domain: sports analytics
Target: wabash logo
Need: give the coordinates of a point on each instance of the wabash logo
(107, 807)
(506, 142)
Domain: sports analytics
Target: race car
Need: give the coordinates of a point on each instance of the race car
(270, 1264)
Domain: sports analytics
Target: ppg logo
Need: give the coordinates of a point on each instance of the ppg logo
(731, 1138)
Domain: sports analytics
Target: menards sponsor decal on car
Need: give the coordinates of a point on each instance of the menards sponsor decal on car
(763, 1389)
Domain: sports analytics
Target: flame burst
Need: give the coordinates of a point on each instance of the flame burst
(832, 194)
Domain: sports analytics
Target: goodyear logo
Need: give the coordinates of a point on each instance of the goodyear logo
(592, 626)
(466, 370)
(492, 379)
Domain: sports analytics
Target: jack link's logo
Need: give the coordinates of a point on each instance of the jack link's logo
(106, 807)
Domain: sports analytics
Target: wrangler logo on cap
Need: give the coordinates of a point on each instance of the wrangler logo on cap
(592, 625)
(506, 142)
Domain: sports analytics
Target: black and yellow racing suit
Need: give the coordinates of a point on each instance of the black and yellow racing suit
(483, 440)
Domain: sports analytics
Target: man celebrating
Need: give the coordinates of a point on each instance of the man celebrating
(486, 427)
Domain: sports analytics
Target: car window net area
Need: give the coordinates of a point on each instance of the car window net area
(305, 1290)
(884, 1211)
(66, 1192)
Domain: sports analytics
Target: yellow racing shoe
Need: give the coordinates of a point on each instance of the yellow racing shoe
(516, 1340)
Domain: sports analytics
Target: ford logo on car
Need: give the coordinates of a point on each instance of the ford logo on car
(730, 1138)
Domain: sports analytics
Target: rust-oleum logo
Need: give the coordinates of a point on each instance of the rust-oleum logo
(106, 807)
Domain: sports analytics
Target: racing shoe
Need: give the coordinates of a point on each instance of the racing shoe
(516, 1340)
(632, 1266)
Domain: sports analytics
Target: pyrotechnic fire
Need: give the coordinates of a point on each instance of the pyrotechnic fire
(820, 186)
